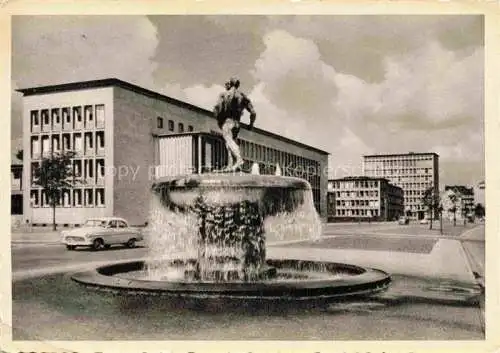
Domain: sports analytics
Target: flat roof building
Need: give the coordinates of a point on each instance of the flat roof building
(458, 201)
(124, 136)
(413, 172)
(16, 189)
(364, 199)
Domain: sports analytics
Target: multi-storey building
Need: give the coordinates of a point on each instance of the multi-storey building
(364, 198)
(121, 134)
(16, 188)
(413, 172)
(457, 201)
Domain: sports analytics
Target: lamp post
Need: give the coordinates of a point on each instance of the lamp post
(30, 215)
(464, 211)
(440, 213)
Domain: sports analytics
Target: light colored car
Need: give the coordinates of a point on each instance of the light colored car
(424, 221)
(99, 233)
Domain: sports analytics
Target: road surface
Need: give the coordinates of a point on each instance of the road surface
(52, 307)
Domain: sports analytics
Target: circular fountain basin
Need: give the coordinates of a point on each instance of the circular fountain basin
(220, 189)
(295, 280)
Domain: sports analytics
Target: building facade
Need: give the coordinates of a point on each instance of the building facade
(413, 172)
(16, 191)
(458, 202)
(116, 130)
(364, 199)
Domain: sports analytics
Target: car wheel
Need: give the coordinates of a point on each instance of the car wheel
(70, 247)
(107, 246)
(97, 244)
(131, 243)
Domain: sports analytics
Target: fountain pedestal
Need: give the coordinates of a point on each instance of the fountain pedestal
(230, 211)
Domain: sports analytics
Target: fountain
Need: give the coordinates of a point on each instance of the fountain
(207, 239)
(217, 225)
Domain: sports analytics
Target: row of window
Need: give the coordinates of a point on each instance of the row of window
(397, 161)
(415, 186)
(271, 168)
(395, 172)
(414, 208)
(354, 184)
(413, 200)
(86, 197)
(90, 171)
(372, 193)
(290, 164)
(419, 193)
(68, 118)
(357, 203)
(88, 143)
(171, 126)
(357, 212)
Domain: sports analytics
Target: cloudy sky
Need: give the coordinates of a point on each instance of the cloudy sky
(350, 85)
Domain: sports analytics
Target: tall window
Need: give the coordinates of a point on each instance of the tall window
(170, 125)
(99, 113)
(66, 198)
(45, 120)
(77, 117)
(159, 123)
(181, 127)
(77, 197)
(35, 121)
(89, 197)
(89, 117)
(99, 197)
(190, 128)
(66, 117)
(35, 197)
(56, 118)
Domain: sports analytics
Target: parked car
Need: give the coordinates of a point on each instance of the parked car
(424, 221)
(403, 220)
(99, 233)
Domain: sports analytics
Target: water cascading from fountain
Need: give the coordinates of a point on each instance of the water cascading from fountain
(225, 230)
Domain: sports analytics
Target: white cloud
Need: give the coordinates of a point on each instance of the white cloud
(427, 97)
(205, 97)
(294, 75)
(72, 48)
(83, 48)
(430, 100)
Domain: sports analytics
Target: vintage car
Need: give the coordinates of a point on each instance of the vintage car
(99, 233)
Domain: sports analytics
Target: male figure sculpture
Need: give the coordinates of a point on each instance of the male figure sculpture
(228, 111)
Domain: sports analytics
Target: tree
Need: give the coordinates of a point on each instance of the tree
(54, 175)
(479, 210)
(19, 155)
(431, 201)
(453, 199)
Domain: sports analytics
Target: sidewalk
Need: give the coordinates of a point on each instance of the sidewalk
(36, 235)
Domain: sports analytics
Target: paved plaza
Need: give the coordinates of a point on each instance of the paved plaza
(435, 294)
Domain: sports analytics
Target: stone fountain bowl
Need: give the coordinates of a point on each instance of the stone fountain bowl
(296, 280)
(274, 193)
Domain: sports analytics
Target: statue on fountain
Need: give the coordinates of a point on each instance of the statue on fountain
(228, 111)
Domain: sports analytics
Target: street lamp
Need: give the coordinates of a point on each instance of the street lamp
(440, 212)
(30, 215)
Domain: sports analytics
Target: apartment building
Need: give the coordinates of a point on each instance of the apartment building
(121, 134)
(363, 199)
(413, 172)
(460, 198)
